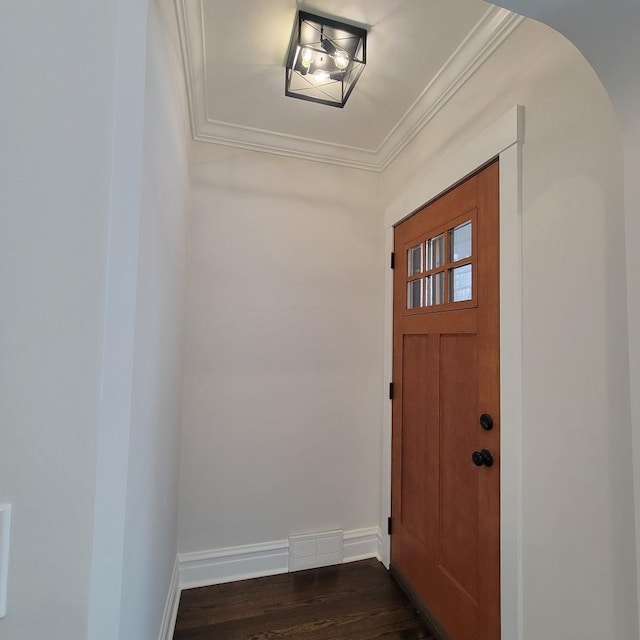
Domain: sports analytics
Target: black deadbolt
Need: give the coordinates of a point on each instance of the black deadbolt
(486, 422)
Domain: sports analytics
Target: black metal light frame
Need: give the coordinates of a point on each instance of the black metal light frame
(325, 59)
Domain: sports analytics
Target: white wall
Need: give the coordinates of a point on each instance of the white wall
(283, 354)
(578, 547)
(607, 35)
(56, 118)
(119, 320)
(632, 215)
(90, 540)
(150, 534)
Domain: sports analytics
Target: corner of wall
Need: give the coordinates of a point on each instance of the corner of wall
(171, 607)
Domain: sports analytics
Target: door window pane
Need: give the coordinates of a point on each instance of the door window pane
(461, 242)
(414, 294)
(461, 283)
(435, 289)
(414, 259)
(435, 252)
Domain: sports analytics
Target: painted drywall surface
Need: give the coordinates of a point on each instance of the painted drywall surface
(57, 64)
(119, 321)
(578, 580)
(281, 415)
(607, 35)
(150, 534)
(632, 214)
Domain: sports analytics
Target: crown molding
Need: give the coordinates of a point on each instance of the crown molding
(495, 26)
(233, 135)
(485, 37)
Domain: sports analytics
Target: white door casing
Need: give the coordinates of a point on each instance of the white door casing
(503, 139)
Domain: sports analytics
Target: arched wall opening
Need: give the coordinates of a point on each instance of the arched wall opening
(607, 36)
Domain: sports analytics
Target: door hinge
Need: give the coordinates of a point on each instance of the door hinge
(391, 391)
(389, 527)
(393, 260)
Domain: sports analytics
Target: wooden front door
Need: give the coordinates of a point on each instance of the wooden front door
(445, 543)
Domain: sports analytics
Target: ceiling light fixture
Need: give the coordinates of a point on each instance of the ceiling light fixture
(325, 59)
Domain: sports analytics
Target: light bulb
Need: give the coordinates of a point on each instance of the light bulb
(341, 59)
(307, 57)
(321, 75)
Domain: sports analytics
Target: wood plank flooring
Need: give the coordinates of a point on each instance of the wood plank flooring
(356, 601)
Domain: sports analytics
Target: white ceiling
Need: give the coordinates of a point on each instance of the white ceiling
(419, 52)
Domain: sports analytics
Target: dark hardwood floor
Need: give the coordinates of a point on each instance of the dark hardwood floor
(357, 601)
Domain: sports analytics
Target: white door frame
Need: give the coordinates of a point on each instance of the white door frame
(503, 139)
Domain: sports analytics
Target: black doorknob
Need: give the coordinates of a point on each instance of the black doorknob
(486, 422)
(483, 458)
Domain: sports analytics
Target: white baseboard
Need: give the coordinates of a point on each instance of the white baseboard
(360, 544)
(171, 607)
(204, 568)
(229, 564)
